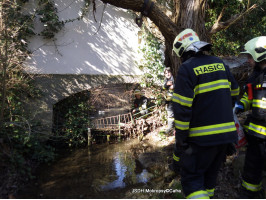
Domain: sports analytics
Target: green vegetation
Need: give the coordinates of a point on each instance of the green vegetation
(22, 147)
(153, 59)
(231, 40)
(49, 17)
(72, 120)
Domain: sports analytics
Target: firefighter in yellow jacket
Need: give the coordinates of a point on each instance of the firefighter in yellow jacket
(204, 95)
(254, 99)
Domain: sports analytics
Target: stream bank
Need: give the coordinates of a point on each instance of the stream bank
(132, 169)
(107, 171)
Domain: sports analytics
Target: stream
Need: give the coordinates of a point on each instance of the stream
(102, 171)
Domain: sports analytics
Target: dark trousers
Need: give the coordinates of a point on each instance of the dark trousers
(200, 166)
(254, 165)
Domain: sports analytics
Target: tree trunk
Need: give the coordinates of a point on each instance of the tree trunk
(191, 14)
(187, 14)
(3, 70)
(3, 93)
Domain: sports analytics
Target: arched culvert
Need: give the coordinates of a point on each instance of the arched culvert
(71, 117)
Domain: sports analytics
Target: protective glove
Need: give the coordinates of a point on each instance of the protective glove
(175, 165)
(181, 146)
(238, 108)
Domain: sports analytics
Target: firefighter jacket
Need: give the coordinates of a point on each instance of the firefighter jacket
(254, 99)
(141, 104)
(204, 95)
(169, 93)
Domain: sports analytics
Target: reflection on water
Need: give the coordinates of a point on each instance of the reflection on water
(125, 173)
(87, 173)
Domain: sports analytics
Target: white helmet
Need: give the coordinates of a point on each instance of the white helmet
(256, 47)
(137, 91)
(188, 40)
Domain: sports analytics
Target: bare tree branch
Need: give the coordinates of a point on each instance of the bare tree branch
(218, 25)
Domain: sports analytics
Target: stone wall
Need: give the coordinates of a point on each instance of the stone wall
(55, 88)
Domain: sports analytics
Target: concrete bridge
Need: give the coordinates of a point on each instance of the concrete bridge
(56, 88)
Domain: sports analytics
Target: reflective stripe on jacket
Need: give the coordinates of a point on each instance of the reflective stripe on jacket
(205, 92)
(257, 124)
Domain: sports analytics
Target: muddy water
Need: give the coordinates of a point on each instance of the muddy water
(104, 171)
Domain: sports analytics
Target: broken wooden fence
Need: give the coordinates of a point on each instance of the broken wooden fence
(115, 123)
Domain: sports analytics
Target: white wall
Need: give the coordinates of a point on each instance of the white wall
(80, 50)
